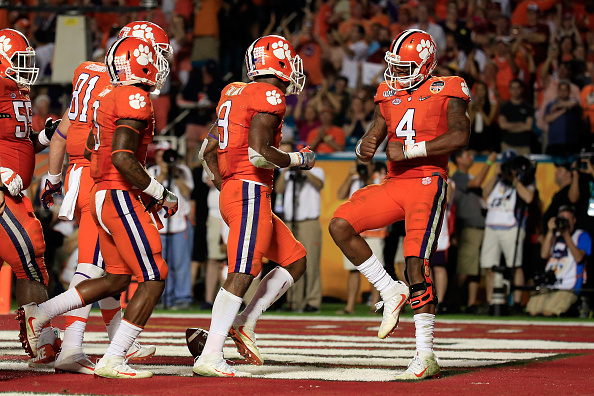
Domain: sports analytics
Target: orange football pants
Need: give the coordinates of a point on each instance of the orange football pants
(88, 235)
(129, 240)
(254, 231)
(420, 202)
(22, 245)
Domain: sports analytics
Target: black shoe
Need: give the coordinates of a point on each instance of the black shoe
(473, 310)
(310, 309)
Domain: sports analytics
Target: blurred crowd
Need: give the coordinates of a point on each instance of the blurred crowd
(529, 64)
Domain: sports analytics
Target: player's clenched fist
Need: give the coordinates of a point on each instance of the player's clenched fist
(12, 181)
(366, 147)
(395, 151)
(47, 195)
(169, 203)
(308, 158)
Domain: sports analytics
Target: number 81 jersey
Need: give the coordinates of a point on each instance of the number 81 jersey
(16, 148)
(418, 116)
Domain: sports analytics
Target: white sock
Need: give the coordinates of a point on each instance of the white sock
(224, 310)
(76, 320)
(424, 324)
(111, 310)
(123, 339)
(374, 271)
(271, 288)
(62, 303)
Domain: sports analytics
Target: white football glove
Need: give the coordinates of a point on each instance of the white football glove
(12, 181)
(309, 158)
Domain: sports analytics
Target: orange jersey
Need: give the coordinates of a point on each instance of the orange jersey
(89, 80)
(16, 148)
(239, 103)
(417, 117)
(113, 104)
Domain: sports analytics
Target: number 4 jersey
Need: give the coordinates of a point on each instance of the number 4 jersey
(16, 149)
(419, 116)
(90, 78)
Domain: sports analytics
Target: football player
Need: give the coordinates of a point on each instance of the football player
(425, 120)
(123, 128)
(22, 244)
(241, 161)
(90, 78)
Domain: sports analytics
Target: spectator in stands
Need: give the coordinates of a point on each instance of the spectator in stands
(566, 250)
(515, 119)
(587, 103)
(433, 29)
(471, 219)
(356, 123)
(302, 205)
(360, 175)
(340, 100)
(563, 117)
(536, 33)
(453, 25)
(306, 118)
(310, 48)
(327, 138)
(403, 22)
(564, 180)
(508, 194)
(507, 69)
(355, 49)
(357, 18)
(41, 111)
(483, 111)
(174, 234)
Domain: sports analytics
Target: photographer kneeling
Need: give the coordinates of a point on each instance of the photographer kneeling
(566, 251)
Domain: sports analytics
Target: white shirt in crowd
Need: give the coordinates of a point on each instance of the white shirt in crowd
(309, 201)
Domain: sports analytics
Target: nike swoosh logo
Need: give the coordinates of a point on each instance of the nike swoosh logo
(31, 325)
(87, 367)
(131, 374)
(245, 335)
(225, 374)
(421, 373)
(401, 302)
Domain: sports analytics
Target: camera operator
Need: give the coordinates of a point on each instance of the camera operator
(566, 250)
(175, 234)
(302, 206)
(508, 193)
(360, 175)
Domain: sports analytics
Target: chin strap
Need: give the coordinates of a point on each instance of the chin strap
(428, 296)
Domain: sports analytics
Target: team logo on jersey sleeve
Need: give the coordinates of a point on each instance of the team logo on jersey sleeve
(5, 45)
(137, 101)
(281, 50)
(465, 89)
(436, 86)
(143, 55)
(273, 97)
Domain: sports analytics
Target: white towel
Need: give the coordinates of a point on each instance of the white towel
(69, 201)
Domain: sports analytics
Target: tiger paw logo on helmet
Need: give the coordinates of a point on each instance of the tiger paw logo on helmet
(143, 55)
(273, 97)
(5, 45)
(425, 48)
(137, 101)
(281, 50)
(143, 31)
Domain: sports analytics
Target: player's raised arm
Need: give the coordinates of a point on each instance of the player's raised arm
(209, 159)
(261, 148)
(377, 132)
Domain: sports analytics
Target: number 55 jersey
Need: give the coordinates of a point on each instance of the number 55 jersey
(418, 116)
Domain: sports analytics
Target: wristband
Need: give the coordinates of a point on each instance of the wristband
(154, 189)
(54, 179)
(489, 162)
(42, 138)
(416, 150)
(296, 159)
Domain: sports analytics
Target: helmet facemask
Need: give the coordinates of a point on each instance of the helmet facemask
(22, 69)
(162, 67)
(297, 77)
(401, 83)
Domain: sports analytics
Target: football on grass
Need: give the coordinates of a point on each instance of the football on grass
(196, 338)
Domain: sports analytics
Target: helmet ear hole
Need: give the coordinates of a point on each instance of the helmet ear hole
(145, 70)
(282, 64)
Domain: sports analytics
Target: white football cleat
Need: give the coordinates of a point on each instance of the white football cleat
(245, 341)
(116, 367)
(213, 365)
(140, 352)
(31, 320)
(73, 360)
(420, 367)
(392, 308)
(49, 346)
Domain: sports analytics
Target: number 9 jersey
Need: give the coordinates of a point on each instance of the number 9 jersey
(418, 116)
(16, 149)
(239, 103)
